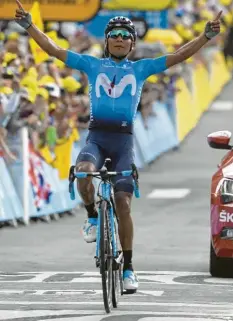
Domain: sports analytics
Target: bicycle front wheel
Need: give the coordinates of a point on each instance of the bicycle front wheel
(117, 286)
(106, 256)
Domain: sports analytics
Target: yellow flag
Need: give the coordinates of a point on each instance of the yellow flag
(63, 43)
(38, 54)
(36, 16)
(52, 35)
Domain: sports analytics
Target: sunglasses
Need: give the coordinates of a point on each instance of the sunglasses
(125, 34)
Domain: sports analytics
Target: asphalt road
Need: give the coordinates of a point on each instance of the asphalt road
(48, 272)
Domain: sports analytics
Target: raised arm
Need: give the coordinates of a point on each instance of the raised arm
(24, 19)
(211, 30)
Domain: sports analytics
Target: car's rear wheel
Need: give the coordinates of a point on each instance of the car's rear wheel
(220, 267)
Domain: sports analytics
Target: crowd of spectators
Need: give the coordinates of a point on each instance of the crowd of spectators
(52, 100)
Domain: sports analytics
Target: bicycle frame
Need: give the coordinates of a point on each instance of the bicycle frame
(105, 195)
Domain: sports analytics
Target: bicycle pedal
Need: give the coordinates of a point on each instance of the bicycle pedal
(97, 262)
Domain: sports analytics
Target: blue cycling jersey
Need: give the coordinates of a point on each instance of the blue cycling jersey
(114, 88)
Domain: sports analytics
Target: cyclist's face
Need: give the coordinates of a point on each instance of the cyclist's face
(119, 42)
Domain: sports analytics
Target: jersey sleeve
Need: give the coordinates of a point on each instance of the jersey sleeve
(147, 67)
(80, 62)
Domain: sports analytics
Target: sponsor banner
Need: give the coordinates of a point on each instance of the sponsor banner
(142, 19)
(55, 10)
(10, 205)
(147, 5)
(159, 136)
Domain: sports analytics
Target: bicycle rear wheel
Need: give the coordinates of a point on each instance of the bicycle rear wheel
(117, 286)
(106, 257)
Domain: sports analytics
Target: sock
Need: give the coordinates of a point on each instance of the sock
(128, 260)
(91, 211)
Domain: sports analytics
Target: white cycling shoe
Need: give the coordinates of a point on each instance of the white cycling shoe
(89, 230)
(130, 280)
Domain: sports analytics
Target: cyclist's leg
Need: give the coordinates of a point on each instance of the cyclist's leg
(89, 159)
(123, 196)
(123, 188)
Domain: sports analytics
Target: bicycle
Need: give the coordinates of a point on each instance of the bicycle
(109, 255)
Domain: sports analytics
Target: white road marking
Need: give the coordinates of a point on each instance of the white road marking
(161, 279)
(12, 291)
(6, 314)
(122, 303)
(152, 293)
(35, 277)
(89, 318)
(54, 292)
(140, 293)
(75, 292)
(155, 318)
(145, 277)
(177, 319)
(85, 280)
(41, 277)
(87, 273)
(175, 273)
(169, 193)
(222, 105)
(92, 273)
(33, 292)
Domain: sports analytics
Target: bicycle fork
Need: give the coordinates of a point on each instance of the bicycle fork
(116, 254)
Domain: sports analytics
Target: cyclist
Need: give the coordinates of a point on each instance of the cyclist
(115, 86)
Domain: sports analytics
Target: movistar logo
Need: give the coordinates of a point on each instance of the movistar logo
(112, 89)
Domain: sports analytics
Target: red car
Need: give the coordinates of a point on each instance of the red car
(221, 245)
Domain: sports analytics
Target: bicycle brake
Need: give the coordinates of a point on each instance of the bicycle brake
(71, 174)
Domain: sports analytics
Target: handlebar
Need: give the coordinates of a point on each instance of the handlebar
(100, 174)
(103, 174)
